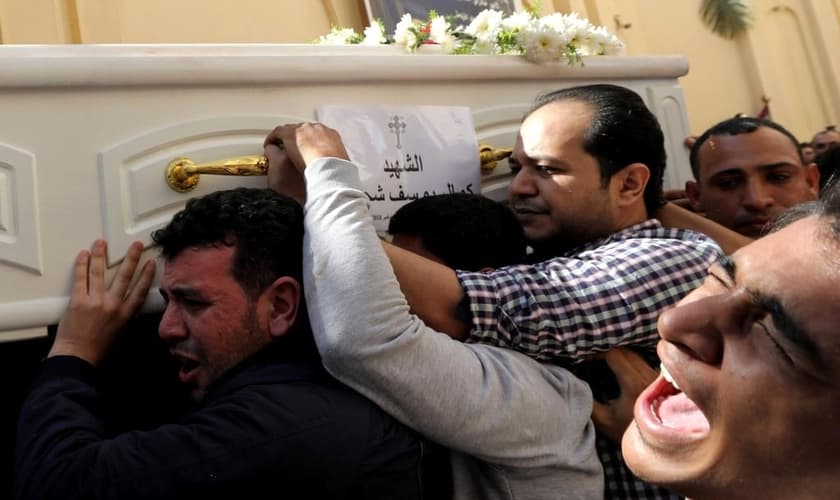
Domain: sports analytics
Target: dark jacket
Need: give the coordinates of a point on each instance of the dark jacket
(268, 430)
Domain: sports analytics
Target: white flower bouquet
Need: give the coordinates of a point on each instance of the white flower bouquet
(555, 37)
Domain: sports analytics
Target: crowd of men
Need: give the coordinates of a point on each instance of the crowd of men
(489, 351)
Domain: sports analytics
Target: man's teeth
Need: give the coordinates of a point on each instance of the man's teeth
(668, 376)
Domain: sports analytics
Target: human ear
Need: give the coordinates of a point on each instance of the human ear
(283, 302)
(692, 192)
(812, 177)
(631, 182)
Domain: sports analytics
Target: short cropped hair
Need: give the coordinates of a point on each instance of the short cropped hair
(264, 227)
(736, 126)
(623, 131)
(826, 208)
(466, 231)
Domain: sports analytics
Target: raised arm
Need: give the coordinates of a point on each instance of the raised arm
(487, 402)
(432, 290)
(672, 215)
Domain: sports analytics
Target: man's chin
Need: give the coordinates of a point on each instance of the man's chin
(197, 394)
(534, 236)
(672, 472)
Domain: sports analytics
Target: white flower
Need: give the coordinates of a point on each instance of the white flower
(404, 33)
(486, 25)
(570, 26)
(556, 21)
(484, 46)
(439, 30)
(516, 21)
(338, 36)
(542, 43)
(374, 34)
(448, 44)
(599, 42)
(555, 37)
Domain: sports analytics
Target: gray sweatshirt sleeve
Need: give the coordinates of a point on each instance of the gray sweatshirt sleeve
(494, 404)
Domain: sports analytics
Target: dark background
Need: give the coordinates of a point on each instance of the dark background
(138, 382)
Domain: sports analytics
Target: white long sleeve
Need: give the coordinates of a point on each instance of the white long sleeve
(495, 405)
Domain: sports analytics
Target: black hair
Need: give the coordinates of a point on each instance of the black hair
(466, 231)
(828, 163)
(736, 126)
(266, 230)
(827, 208)
(623, 131)
(264, 227)
(827, 130)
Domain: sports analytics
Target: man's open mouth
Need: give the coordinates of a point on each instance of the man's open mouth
(187, 367)
(676, 411)
(666, 414)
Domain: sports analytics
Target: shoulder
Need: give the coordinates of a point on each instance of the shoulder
(651, 241)
(308, 400)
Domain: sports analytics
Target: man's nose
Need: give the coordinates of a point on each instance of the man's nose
(694, 327)
(171, 328)
(758, 195)
(522, 184)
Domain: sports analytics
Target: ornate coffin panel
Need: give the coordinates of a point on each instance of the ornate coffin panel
(19, 238)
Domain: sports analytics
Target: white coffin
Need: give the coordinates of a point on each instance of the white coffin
(87, 132)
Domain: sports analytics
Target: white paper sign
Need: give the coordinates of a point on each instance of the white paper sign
(405, 153)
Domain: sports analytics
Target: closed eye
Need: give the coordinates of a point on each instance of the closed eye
(727, 183)
(193, 303)
(784, 355)
(779, 178)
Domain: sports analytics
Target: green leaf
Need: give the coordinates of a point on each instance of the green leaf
(727, 18)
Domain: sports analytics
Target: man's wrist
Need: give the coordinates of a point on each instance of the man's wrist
(64, 348)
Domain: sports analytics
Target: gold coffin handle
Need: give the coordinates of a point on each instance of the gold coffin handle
(490, 156)
(183, 174)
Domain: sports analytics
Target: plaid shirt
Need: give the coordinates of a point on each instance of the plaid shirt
(592, 299)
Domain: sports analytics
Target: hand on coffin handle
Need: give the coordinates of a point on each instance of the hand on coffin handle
(306, 142)
(283, 177)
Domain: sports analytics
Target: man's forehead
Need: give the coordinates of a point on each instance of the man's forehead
(763, 146)
(770, 261)
(566, 114)
(827, 136)
(195, 263)
(555, 124)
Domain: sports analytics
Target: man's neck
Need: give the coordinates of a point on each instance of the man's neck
(562, 246)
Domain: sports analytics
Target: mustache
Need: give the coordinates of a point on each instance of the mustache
(756, 219)
(187, 350)
(526, 206)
